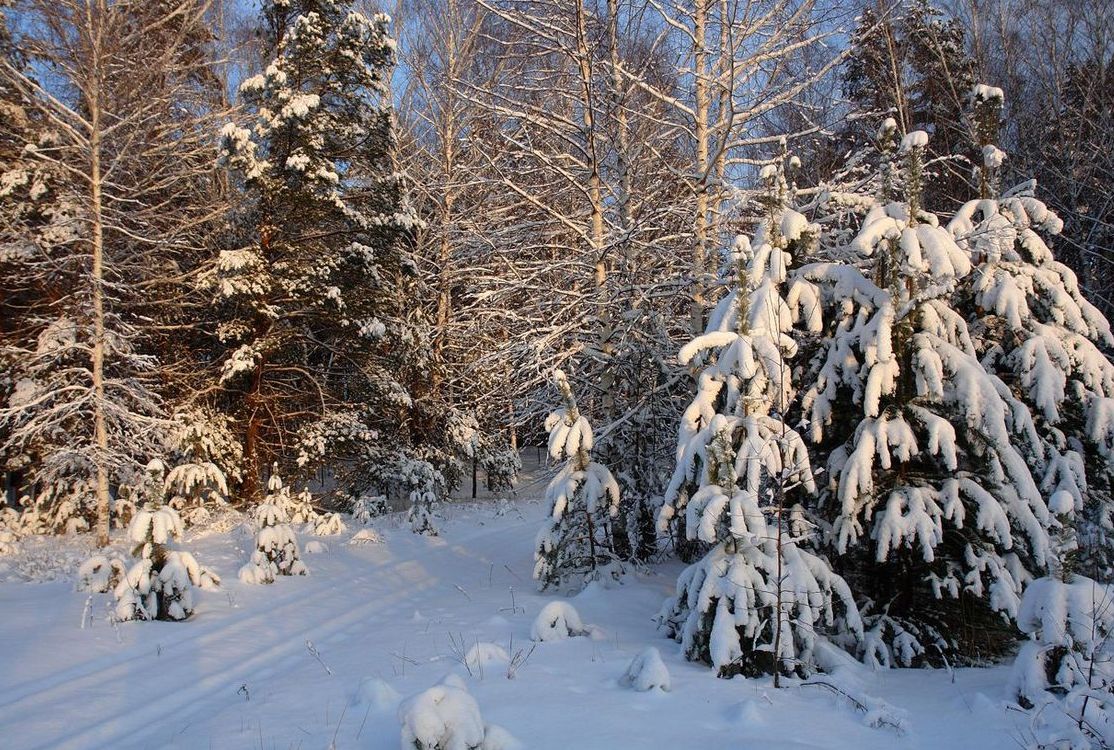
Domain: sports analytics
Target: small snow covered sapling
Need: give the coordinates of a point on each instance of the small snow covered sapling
(276, 547)
(425, 484)
(295, 508)
(9, 531)
(159, 586)
(368, 506)
(575, 546)
(8, 542)
(202, 441)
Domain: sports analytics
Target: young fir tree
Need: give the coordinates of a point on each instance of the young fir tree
(276, 548)
(160, 585)
(313, 298)
(933, 509)
(1033, 328)
(758, 601)
(575, 545)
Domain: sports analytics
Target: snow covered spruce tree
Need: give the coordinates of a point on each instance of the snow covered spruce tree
(311, 299)
(160, 585)
(758, 601)
(276, 548)
(1031, 325)
(575, 544)
(932, 507)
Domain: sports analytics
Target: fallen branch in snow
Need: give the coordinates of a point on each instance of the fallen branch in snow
(878, 712)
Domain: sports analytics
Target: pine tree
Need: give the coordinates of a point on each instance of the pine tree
(933, 509)
(312, 298)
(758, 601)
(575, 545)
(1032, 327)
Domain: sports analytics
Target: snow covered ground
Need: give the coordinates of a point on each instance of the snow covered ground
(241, 672)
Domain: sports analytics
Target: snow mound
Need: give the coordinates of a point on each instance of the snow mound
(447, 717)
(647, 672)
(377, 694)
(482, 655)
(316, 548)
(558, 621)
(366, 536)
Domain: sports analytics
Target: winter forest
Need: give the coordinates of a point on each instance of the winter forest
(492, 374)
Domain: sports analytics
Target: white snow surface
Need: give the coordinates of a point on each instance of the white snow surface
(238, 673)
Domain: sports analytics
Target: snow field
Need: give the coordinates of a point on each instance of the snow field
(393, 619)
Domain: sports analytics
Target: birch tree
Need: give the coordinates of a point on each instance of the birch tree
(120, 123)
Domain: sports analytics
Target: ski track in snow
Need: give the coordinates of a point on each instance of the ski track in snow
(174, 685)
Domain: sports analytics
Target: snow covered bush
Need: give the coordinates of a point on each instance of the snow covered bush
(9, 530)
(159, 586)
(276, 547)
(758, 601)
(575, 544)
(934, 512)
(647, 671)
(483, 655)
(1064, 672)
(1031, 326)
(558, 621)
(447, 717)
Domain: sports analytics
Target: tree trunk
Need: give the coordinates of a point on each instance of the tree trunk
(701, 171)
(96, 211)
